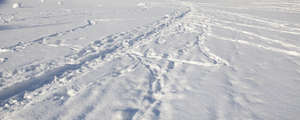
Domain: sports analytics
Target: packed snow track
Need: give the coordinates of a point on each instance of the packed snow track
(149, 60)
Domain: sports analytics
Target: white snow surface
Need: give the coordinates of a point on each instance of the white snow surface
(149, 59)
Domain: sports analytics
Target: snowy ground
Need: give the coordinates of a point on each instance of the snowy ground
(149, 59)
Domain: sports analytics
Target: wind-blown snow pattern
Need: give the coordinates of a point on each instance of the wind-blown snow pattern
(149, 60)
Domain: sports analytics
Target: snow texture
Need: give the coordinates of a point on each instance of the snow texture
(149, 59)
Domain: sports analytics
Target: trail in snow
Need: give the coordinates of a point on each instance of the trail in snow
(112, 48)
(43, 40)
(89, 58)
(202, 61)
(292, 53)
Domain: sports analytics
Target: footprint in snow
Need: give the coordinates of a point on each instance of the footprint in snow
(3, 60)
(142, 5)
(17, 5)
(125, 114)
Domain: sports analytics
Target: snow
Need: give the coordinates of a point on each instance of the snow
(149, 59)
(16, 5)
